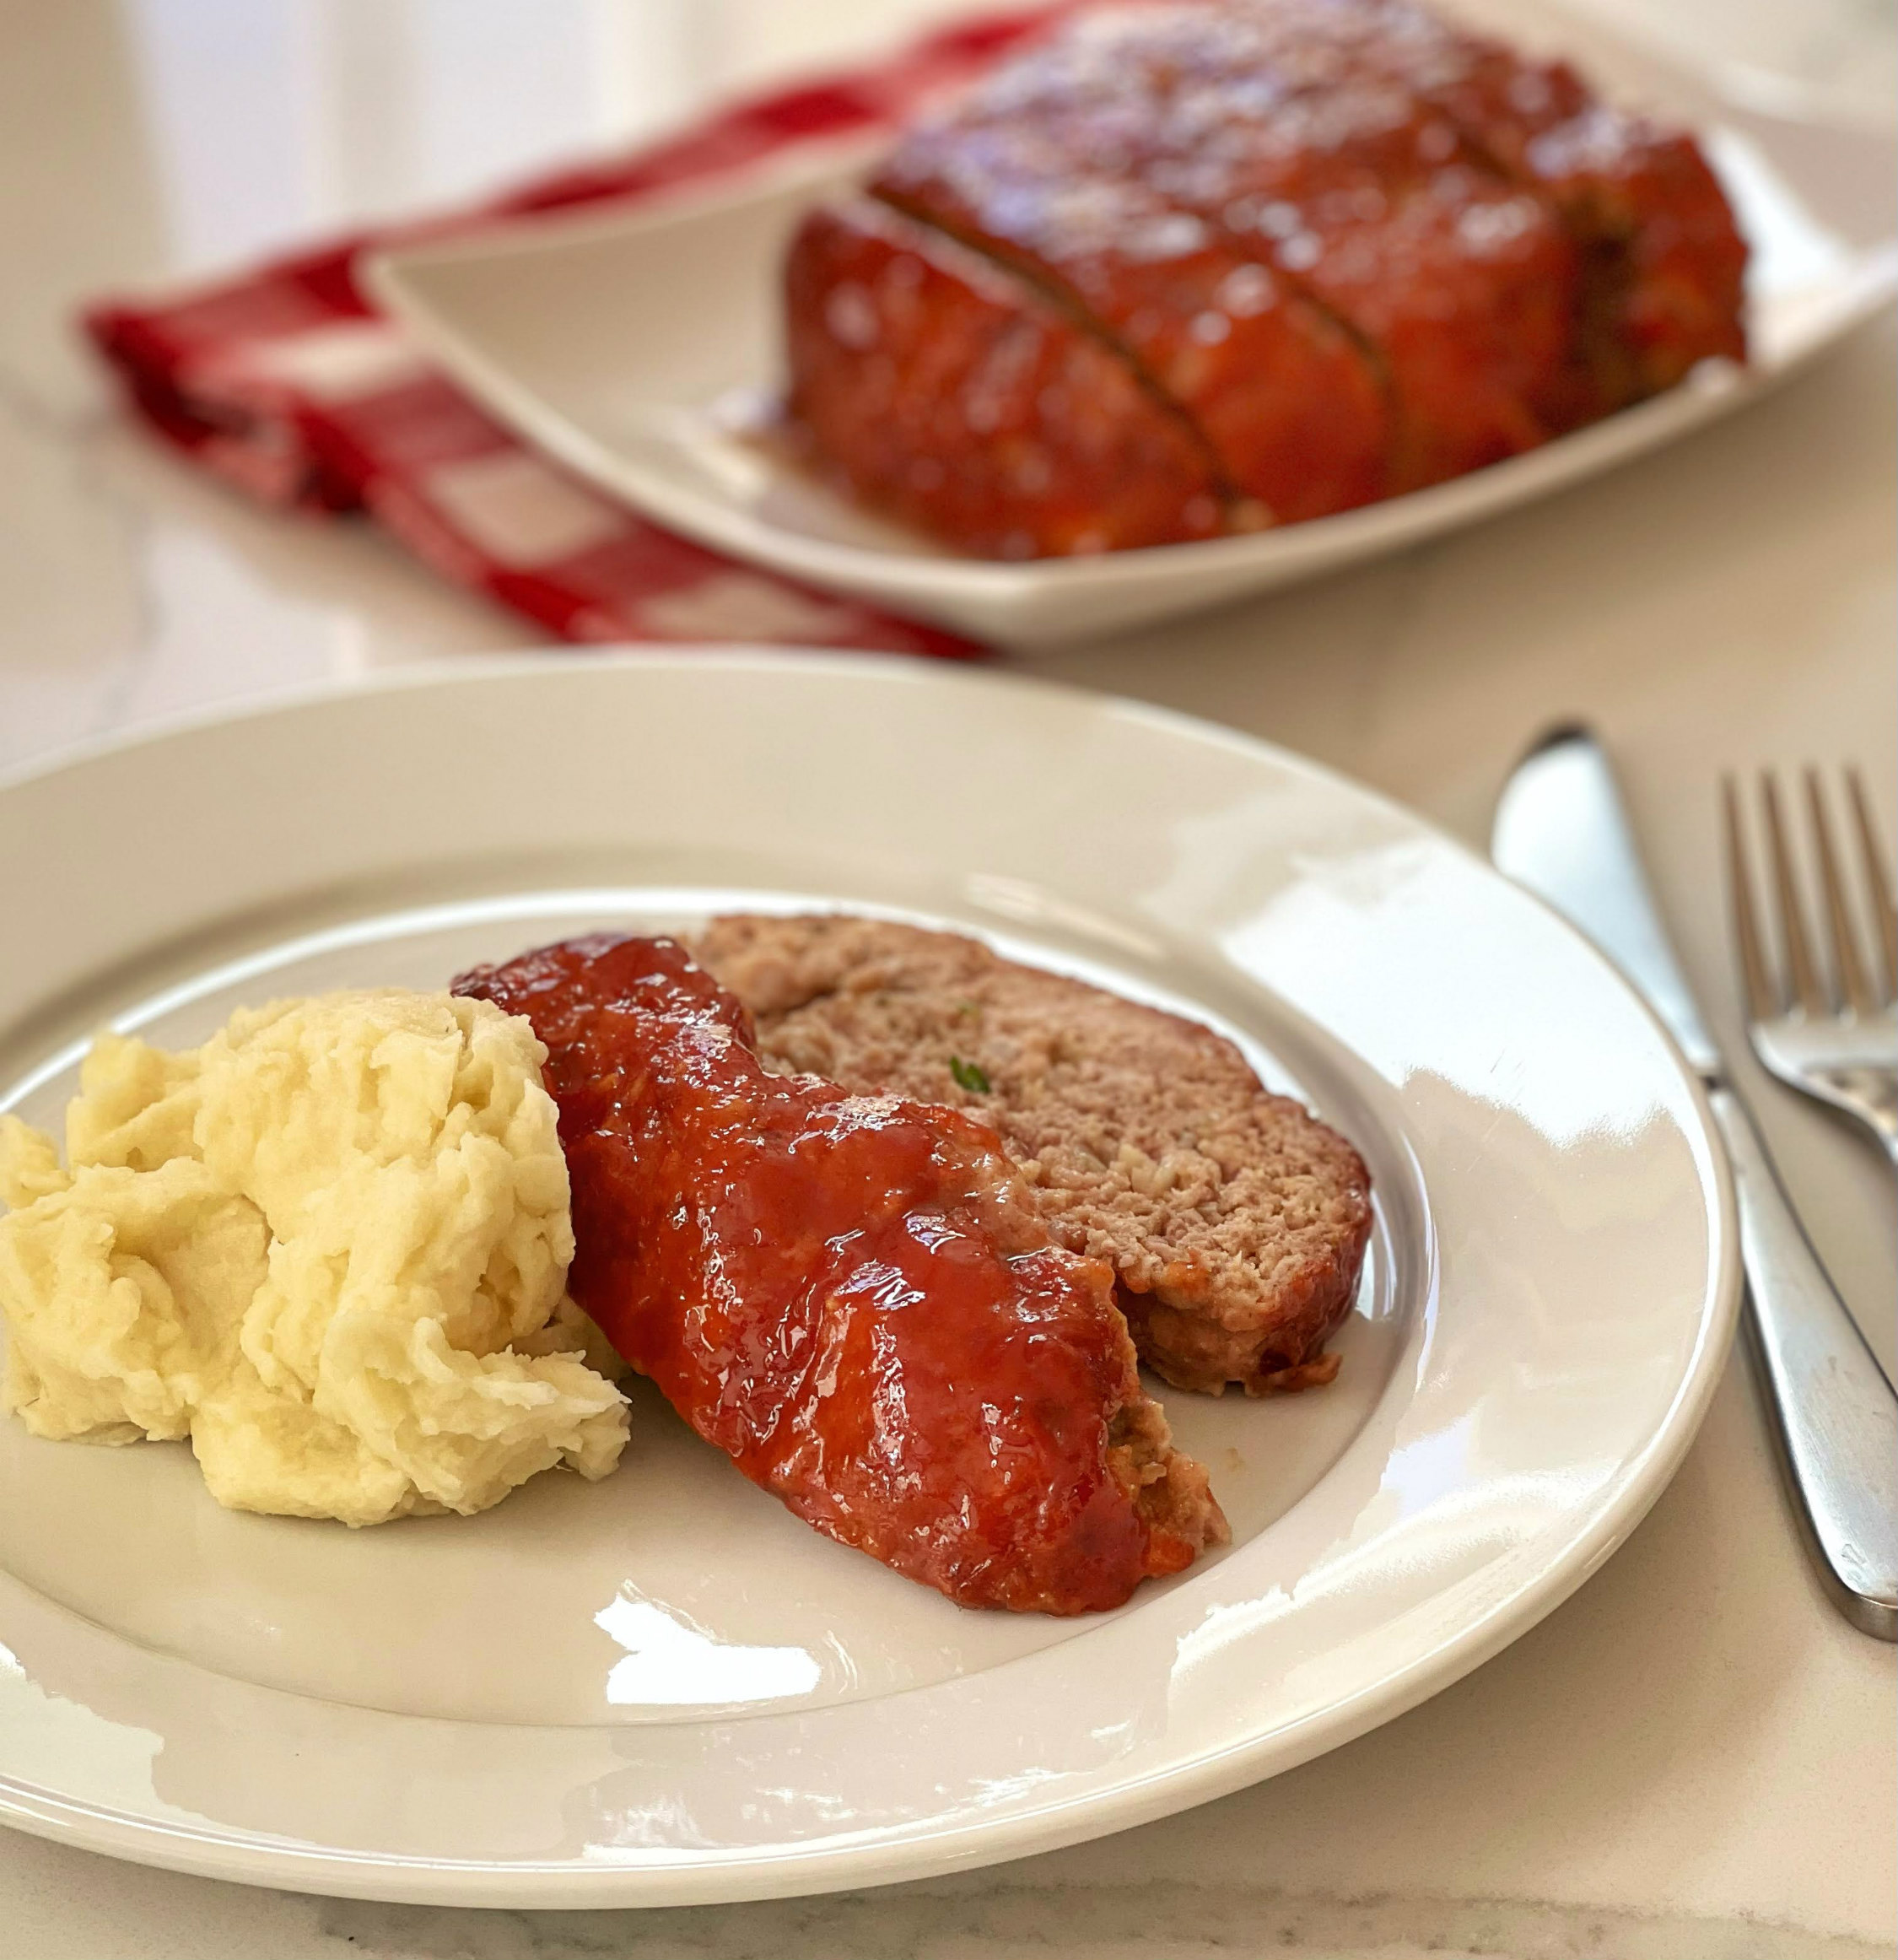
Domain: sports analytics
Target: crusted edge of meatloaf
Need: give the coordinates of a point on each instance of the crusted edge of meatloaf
(1204, 1311)
(1171, 1490)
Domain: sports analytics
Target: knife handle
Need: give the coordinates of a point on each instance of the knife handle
(1836, 1413)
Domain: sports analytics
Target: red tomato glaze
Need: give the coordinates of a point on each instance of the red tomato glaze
(850, 1295)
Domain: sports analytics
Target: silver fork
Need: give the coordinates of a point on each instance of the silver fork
(1832, 1035)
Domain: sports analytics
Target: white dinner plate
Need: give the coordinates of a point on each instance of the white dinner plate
(662, 1688)
(640, 350)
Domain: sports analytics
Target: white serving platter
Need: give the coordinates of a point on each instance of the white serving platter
(640, 351)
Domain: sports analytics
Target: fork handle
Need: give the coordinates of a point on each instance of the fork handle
(1836, 1413)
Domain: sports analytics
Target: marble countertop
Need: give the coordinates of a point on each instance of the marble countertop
(1693, 1757)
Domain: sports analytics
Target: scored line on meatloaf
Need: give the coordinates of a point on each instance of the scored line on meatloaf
(1293, 400)
(1237, 1222)
(903, 342)
(1661, 263)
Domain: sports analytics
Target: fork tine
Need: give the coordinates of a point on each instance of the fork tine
(1878, 881)
(1811, 991)
(1846, 961)
(1762, 995)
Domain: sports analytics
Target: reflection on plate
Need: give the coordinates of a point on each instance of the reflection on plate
(638, 350)
(663, 1688)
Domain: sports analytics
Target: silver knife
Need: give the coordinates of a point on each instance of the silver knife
(1562, 831)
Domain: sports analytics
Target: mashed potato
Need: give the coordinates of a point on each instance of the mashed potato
(329, 1247)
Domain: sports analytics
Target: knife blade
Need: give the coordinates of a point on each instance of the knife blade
(1560, 828)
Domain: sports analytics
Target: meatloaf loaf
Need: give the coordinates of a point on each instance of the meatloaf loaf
(1330, 250)
(1236, 1222)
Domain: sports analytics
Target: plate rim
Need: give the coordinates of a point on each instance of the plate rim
(894, 1854)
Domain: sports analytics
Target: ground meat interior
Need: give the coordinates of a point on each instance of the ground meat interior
(1236, 1222)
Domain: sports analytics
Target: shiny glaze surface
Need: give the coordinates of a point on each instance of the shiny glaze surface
(1322, 179)
(1663, 262)
(1287, 399)
(948, 391)
(848, 1295)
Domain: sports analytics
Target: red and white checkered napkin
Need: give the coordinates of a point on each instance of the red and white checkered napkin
(288, 382)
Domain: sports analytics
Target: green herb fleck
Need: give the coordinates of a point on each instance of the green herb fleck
(969, 1075)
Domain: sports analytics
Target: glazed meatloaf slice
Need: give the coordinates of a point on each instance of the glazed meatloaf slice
(1236, 1222)
(950, 392)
